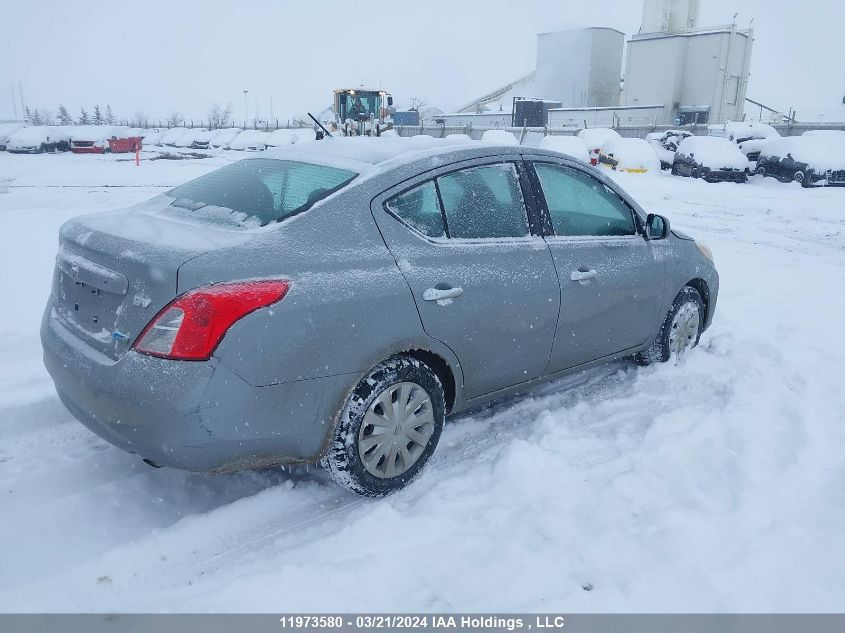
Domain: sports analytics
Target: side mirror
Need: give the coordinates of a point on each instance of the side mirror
(390, 100)
(656, 227)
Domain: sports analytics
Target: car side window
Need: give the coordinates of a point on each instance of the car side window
(419, 208)
(582, 205)
(484, 202)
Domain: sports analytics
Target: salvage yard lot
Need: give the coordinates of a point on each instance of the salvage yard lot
(713, 485)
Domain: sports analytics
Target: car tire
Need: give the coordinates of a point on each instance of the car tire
(694, 173)
(798, 177)
(677, 334)
(356, 459)
(761, 171)
(43, 148)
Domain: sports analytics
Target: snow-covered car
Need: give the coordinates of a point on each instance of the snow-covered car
(454, 139)
(711, 158)
(6, 130)
(94, 139)
(281, 138)
(750, 136)
(499, 137)
(187, 139)
(203, 139)
(251, 140)
(665, 145)
(632, 155)
(810, 160)
(224, 137)
(406, 286)
(566, 144)
(596, 138)
(37, 139)
(305, 134)
(171, 135)
(150, 137)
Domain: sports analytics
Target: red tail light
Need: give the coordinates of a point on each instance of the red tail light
(191, 326)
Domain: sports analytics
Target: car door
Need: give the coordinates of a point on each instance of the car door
(611, 278)
(483, 283)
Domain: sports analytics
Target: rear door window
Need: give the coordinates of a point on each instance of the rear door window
(259, 191)
(484, 202)
(419, 208)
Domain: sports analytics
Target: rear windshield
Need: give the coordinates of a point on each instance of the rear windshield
(259, 191)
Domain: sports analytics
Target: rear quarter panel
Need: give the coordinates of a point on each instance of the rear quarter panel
(347, 309)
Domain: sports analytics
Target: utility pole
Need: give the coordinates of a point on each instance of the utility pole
(246, 109)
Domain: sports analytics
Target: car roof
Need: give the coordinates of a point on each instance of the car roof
(370, 155)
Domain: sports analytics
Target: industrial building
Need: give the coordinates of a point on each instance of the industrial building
(676, 73)
(700, 75)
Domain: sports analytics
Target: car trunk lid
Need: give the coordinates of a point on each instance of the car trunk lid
(116, 270)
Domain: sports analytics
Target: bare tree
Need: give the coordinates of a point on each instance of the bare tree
(219, 117)
(175, 119)
(139, 119)
(418, 102)
(111, 119)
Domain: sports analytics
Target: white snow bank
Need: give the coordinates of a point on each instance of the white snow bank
(569, 145)
(499, 137)
(632, 154)
(820, 152)
(714, 152)
(596, 137)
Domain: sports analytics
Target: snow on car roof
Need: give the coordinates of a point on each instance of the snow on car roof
(821, 152)
(715, 152)
(370, 154)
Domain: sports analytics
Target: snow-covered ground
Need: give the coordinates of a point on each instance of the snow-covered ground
(713, 485)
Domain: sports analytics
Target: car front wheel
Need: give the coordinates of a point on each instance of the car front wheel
(680, 331)
(388, 428)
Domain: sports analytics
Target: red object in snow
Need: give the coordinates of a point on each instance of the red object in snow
(87, 147)
(125, 145)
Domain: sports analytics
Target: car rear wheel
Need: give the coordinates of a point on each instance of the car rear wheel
(388, 428)
(761, 170)
(798, 177)
(680, 331)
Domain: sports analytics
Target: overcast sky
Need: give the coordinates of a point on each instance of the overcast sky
(159, 56)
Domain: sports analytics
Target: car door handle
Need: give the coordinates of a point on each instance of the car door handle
(583, 275)
(440, 294)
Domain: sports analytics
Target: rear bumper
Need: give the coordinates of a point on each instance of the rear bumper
(197, 416)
